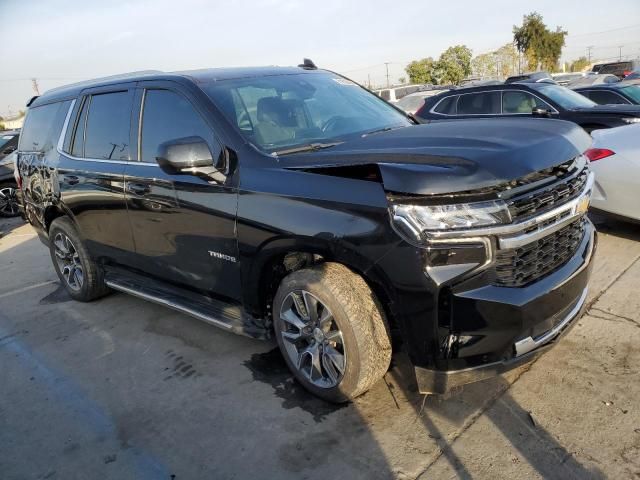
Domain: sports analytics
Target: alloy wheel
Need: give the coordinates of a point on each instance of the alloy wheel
(8, 201)
(312, 339)
(68, 261)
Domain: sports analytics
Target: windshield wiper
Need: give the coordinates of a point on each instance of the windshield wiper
(385, 129)
(311, 147)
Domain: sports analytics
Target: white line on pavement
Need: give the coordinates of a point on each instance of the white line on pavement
(25, 289)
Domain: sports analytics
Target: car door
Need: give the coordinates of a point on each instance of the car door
(90, 170)
(183, 223)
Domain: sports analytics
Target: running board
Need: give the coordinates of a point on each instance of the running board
(215, 312)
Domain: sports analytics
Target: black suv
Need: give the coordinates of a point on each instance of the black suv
(526, 99)
(618, 93)
(293, 202)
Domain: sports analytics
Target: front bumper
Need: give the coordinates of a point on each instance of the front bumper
(516, 324)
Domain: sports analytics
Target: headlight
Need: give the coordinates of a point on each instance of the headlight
(417, 220)
(631, 120)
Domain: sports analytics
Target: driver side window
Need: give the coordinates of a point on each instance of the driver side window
(167, 116)
(519, 102)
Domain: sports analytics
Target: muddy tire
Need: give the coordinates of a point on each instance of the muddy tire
(331, 331)
(79, 274)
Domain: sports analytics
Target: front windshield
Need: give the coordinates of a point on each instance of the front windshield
(564, 97)
(283, 111)
(633, 91)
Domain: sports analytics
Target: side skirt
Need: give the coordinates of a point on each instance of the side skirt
(224, 315)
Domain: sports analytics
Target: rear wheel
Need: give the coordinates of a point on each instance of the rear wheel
(79, 274)
(331, 331)
(8, 200)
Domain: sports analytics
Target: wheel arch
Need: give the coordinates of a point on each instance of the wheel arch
(280, 257)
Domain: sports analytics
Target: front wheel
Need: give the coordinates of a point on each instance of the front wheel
(331, 331)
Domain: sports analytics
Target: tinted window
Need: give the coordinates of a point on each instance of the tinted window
(169, 116)
(107, 130)
(43, 126)
(483, 103)
(78, 139)
(606, 98)
(518, 101)
(447, 106)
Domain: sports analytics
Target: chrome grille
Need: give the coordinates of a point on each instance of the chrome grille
(520, 266)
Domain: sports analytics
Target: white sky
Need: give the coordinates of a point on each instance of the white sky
(63, 41)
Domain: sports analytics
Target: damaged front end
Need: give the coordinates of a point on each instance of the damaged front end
(508, 267)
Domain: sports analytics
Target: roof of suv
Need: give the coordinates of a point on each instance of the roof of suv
(198, 76)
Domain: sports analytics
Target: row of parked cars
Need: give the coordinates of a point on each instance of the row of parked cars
(291, 202)
(8, 198)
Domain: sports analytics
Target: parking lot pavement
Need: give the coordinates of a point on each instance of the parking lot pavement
(120, 388)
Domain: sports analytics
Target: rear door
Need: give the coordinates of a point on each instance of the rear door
(91, 168)
(183, 224)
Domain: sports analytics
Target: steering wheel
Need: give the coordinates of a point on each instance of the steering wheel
(330, 124)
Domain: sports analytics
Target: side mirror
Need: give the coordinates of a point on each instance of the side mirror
(540, 112)
(184, 155)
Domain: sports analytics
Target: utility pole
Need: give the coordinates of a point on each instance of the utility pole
(589, 48)
(386, 64)
(620, 52)
(34, 84)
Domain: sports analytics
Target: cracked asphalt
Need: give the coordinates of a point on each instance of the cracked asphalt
(124, 389)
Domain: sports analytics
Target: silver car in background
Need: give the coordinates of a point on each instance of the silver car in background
(615, 160)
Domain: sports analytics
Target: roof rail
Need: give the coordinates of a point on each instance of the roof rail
(92, 81)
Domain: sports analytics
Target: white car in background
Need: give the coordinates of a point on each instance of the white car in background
(615, 159)
(412, 102)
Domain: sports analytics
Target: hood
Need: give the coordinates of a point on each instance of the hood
(622, 110)
(454, 156)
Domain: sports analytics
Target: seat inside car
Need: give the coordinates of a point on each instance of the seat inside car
(517, 102)
(279, 119)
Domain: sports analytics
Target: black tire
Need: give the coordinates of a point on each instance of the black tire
(8, 200)
(365, 338)
(92, 285)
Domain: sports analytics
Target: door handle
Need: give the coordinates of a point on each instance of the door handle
(138, 188)
(71, 180)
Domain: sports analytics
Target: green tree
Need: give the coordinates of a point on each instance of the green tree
(421, 71)
(579, 65)
(454, 65)
(541, 47)
(484, 65)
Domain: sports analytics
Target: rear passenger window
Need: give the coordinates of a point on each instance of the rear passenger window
(607, 98)
(484, 103)
(43, 126)
(107, 129)
(169, 116)
(78, 139)
(447, 106)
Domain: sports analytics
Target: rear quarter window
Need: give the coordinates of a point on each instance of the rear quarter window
(43, 126)
(447, 106)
